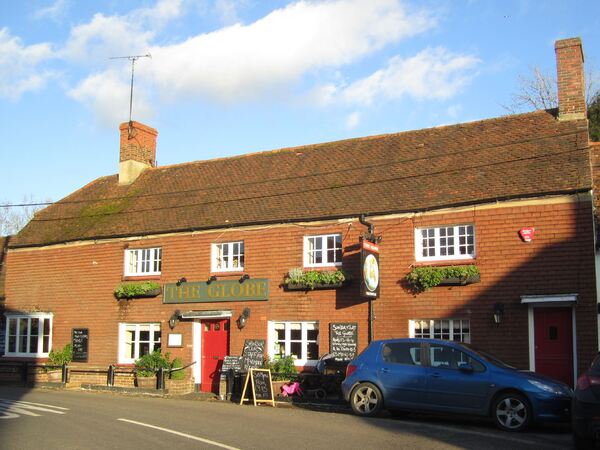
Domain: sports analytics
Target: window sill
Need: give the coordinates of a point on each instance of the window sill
(445, 262)
(140, 277)
(233, 273)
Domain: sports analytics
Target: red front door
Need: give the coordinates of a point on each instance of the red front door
(554, 343)
(215, 346)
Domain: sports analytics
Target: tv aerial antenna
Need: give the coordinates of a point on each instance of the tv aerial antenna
(133, 59)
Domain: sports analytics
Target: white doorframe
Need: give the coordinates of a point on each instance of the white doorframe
(531, 331)
(197, 350)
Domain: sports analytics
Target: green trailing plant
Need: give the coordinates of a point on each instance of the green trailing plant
(423, 278)
(281, 368)
(60, 357)
(148, 365)
(132, 290)
(312, 278)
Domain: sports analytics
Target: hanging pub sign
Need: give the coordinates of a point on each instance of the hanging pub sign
(369, 262)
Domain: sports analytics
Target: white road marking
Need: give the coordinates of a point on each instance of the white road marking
(188, 436)
(11, 409)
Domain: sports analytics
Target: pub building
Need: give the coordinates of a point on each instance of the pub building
(309, 248)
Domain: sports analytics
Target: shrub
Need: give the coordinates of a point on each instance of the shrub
(180, 374)
(312, 278)
(61, 357)
(148, 365)
(281, 368)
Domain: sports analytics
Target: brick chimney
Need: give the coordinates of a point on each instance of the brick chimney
(571, 85)
(138, 150)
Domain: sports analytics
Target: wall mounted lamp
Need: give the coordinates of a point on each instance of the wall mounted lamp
(241, 321)
(181, 280)
(498, 313)
(211, 279)
(174, 319)
(244, 277)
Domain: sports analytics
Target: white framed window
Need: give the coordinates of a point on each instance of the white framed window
(448, 329)
(228, 257)
(299, 339)
(28, 335)
(445, 243)
(322, 251)
(143, 261)
(137, 339)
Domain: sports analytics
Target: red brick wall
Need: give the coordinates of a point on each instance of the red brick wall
(76, 283)
(140, 145)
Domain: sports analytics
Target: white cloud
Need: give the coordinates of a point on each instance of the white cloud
(353, 120)
(431, 74)
(18, 65)
(107, 95)
(56, 11)
(246, 61)
(227, 10)
(106, 36)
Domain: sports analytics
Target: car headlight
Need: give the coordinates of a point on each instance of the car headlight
(547, 387)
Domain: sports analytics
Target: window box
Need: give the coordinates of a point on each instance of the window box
(312, 287)
(420, 279)
(456, 281)
(137, 290)
(299, 280)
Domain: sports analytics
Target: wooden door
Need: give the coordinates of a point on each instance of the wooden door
(554, 343)
(215, 346)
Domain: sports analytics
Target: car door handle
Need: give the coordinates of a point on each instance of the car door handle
(385, 370)
(435, 375)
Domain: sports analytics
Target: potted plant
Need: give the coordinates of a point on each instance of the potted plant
(146, 368)
(283, 370)
(423, 278)
(57, 359)
(137, 290)
(298, 279)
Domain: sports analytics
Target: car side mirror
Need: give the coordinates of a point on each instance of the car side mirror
(465, 367)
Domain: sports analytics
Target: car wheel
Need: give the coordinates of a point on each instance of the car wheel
(366, 400)
(511, 412)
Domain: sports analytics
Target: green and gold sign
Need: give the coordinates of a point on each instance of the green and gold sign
(253, 289)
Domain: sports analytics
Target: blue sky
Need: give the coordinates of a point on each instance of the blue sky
(229, 77)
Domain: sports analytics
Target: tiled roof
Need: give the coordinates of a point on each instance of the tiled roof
(515, 156)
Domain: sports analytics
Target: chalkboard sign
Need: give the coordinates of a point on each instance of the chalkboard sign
(253, 353)
(261, 387)
(343, 340)
(80, 339)
(232, 363)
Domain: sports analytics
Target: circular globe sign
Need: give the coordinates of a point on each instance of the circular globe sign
(371, 273)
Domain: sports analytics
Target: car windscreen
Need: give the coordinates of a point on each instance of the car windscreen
(491, 358)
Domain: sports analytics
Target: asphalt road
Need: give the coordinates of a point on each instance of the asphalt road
(47, 419)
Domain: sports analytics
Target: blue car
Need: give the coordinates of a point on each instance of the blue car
(432, 375)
